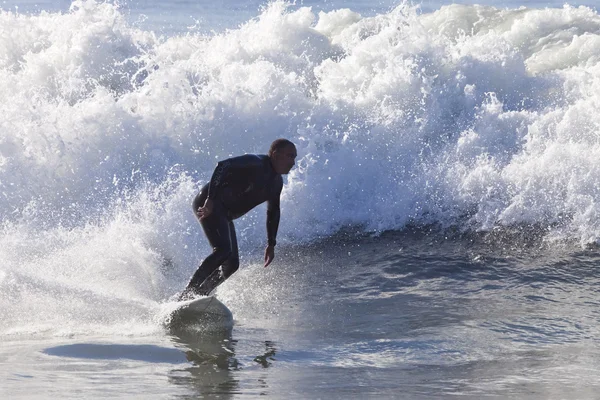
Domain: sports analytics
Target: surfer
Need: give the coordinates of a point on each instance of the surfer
(237, 185)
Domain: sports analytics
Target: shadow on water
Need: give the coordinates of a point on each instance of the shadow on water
(94, 351)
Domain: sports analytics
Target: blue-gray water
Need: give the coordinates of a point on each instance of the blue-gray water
(402, 315)
(439, 234)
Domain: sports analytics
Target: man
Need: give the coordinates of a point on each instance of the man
(238, 185)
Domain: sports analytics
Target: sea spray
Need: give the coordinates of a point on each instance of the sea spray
(469, 117)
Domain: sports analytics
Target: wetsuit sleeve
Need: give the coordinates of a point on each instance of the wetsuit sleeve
(226, 168)
(273, 214)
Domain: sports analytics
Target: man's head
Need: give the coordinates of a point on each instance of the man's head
(283, 155)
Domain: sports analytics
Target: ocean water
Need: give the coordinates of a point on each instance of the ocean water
(440, 232)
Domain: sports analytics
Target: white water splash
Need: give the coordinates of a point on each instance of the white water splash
(470, 116)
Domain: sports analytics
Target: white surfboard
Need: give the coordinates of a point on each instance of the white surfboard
(206, 312)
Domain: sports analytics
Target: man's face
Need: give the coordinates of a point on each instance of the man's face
(284, 159)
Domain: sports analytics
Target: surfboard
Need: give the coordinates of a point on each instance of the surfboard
(205, 312)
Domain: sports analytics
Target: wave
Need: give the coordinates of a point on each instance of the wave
(470, 117)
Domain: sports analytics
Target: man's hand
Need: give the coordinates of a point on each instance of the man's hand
(269, 255)
(205, 211)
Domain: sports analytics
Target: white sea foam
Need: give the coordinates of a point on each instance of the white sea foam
(469, 116)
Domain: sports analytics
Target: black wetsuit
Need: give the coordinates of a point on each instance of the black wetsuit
(238, 185)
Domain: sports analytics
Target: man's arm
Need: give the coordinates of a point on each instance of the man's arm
(217, 179)
(273, 215)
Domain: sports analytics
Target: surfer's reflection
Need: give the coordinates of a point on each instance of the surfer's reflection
(214, 363)
(212, 355)
(265, 359)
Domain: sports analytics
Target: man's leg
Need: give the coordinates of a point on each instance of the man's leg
(227, 268)
(217, 230)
